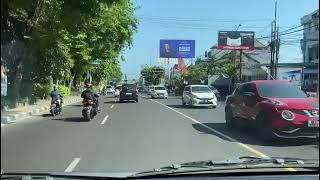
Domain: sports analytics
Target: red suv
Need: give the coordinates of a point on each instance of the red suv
(277, 108)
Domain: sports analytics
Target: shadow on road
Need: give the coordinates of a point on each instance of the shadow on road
(46, 115)
(71, 119)
(178, 106)
(248, 135)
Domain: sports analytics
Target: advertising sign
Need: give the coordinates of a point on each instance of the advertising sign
(177, 48)
(4, 82)
(236, 40)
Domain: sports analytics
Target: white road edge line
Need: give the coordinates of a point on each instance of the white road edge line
(72, 165)
(112, 106)
(105, 119)
(215, 131)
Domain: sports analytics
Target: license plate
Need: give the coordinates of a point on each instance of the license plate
(128, 93)
(313, 123)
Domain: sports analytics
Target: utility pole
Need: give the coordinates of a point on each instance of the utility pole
(271, 50)
(240, 66)
(277, 46)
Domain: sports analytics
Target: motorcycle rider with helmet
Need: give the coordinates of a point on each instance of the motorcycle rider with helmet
(89, 94)
(56, 96)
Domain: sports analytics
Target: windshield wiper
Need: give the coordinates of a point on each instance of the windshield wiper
(244, 162)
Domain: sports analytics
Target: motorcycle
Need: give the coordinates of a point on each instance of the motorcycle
(88, 111)
(55, 107)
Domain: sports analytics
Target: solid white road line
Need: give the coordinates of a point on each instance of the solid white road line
(221, 134)
(112, 106)
(72, 165)
(105, 119)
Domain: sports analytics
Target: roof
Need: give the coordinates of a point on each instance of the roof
(258, 82)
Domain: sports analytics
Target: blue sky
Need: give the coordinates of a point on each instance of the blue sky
(200, 20)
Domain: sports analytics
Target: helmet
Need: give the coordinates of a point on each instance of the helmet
(87, 84)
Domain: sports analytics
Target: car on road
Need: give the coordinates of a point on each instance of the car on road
(109, 90)
(128, 92)
(149, 90)
(159, 92)
(276, 108)
(117, 91)
(216, 92)
(199, 95)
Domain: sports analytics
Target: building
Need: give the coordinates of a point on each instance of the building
(251, 60)
(310, 50)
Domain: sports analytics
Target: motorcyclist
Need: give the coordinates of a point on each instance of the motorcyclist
(55, 96)
(89, 94)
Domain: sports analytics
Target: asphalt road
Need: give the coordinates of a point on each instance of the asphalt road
(132, 137)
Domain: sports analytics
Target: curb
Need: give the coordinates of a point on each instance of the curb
(22, 115)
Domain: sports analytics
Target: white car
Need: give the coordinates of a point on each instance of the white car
(199, 95)
(109, 90)
(159, 92)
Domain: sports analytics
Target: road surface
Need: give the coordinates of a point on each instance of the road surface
(132, 137)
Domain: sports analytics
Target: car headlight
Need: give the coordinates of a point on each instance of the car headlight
(287, 115)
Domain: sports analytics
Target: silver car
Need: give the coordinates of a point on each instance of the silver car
(199, 95)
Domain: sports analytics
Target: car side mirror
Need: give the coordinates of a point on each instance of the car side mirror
(308, 95)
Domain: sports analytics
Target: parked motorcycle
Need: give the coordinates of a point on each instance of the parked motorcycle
(56, 107)
(89, 110)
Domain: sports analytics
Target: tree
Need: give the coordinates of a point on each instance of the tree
(62, 38)
(152, 75)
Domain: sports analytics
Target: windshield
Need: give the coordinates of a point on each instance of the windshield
(277, 90)
(159, 88)
(122, 86)
(129, 86)
(200, 89)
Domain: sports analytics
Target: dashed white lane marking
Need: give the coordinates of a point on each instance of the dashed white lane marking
(112, 106)
(72, 165)
(105, 119)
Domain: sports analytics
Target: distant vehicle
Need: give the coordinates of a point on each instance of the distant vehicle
(109, 90)
(128, 92)
(277, 108)
(159, 92)
(216, 92)
(199, 95)
(150, 88)
(117, 91)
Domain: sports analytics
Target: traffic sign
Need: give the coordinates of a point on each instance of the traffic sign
(95, 62)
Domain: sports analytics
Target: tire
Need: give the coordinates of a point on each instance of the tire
(183, 103)
(87, 115)
(264, 128)
(52, 112)
(230, 120)
(121, 100)
(137, 100)
(213, 107)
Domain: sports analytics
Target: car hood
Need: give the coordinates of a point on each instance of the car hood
(299, 103)
(204, 95)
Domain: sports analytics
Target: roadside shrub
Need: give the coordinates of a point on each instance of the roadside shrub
(41, 91)
(65, 91)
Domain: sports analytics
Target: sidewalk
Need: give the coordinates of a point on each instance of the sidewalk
(22, 112)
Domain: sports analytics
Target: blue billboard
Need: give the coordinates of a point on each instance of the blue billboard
(177, 48)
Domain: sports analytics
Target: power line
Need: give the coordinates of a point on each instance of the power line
(291, 28)
(290, 32)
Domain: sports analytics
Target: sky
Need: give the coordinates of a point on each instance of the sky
(200, 20)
